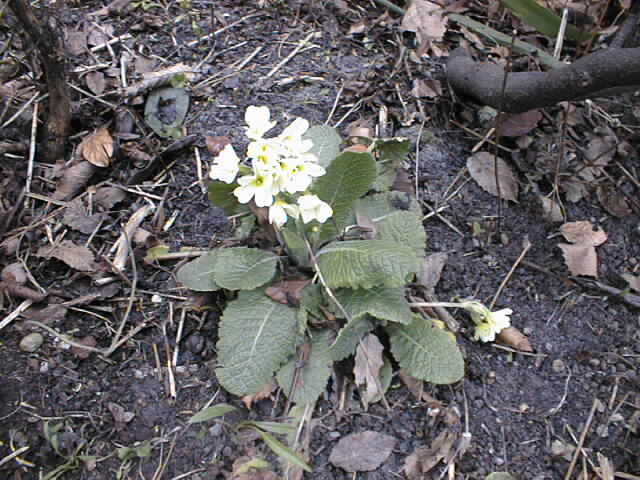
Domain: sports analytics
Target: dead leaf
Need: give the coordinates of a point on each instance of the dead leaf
(582, 232)
(76, 42)
(513, 337)
(426, 88)
(613, 201)
(76, 256)
(423, 459)
(287, 292)
(551, 210)
(580, 259)
(517, 124)
(362, 452)
(366, 226)
(100, 35)
(14, 272)
(108, 197)
(120, 415)
(431, 269)
(426, 20)
(96, 82)
(76, 217)
(358, 28)
(83, 353)
(73, 180)
(404, 183)
(51, 314)
(266, 392)
(633, 281)
(416, 387)
(216, 144)
(482, 167)
(97, 148)
(368, 363)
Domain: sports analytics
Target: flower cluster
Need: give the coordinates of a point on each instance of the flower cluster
(280, 167)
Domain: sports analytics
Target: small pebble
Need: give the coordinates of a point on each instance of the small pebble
(31, 342)
(557, 365)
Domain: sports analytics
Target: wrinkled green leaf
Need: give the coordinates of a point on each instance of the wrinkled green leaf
(543, 19)
(282, 428)
(199, 274)
(326, 143)
(296, 246)
(367, 263)
(256, 336)
(349, 336)
(313, 376)
(348, 177)
(396, 216)
(243, 268)
(379, 302)
(426, 351)
(212, 412)
(392, 152)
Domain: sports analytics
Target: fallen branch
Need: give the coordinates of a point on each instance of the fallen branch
(603, 73)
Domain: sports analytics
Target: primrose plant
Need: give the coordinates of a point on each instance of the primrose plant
(333, 280)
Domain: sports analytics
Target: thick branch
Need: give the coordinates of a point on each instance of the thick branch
(48, 39)
(591, 76)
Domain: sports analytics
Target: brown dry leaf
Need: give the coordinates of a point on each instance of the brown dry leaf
(416, 387)
(514, 338)
(83, 353)
(368, 363)
(246, 468)
(287, 291)
(51, 314)
(108, 197)
(517, 124)
(97, 148)
(266, 392)
(481, 166)
(426, 88)
(613, 201)
(120, 415)
(76, 256)
(426, 19)
(431, 269)
(633, 281)
(216, 144)
(76, 42)
(582, 232)
(367, 226)
(76, 217)
(14, 272)
(96, 82)
(362, 452)
(99, 35)
(404, 183)
(359, 28)
(73, 180)
(581, 259)
(551, 210)
(423, 459)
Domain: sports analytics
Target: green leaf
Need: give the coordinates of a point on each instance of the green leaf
(349, 336)
(426, 351)
(142, 450)
(396, 217)
(221, 195)
(166, 109)
(348, 177)
(296, 246)
(212, 412)
(519, 46)
(313, 376)
(273, 427)
(367, 263)
(379, 302)
(543, 19)
(244, 228)
(283, 452)
(243, 268)
(256, 336)
(326, 143)
(199, 274)
(391, 152)
(310, 303)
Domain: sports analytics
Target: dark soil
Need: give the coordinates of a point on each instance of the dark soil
(525, 413)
